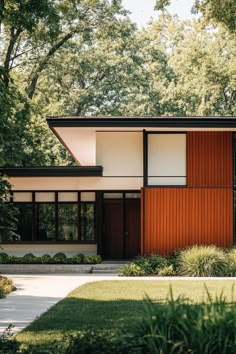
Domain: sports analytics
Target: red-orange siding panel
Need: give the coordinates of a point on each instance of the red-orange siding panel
(209, 159)
(178, 217)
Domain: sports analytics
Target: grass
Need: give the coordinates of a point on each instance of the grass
(112, 304)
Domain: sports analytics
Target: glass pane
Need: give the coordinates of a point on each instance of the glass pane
(234, 142)
(19, 226)
(87, 221)
(132, 195)
(45, 222)
(113, 195)
(68, 222)
(24, 224)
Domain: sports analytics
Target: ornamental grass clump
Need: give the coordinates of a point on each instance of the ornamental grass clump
(202, 261)
(231, 263)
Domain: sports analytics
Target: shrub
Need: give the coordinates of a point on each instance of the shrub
(231, 262)
(202, 261)
(171, 326)
(60, 258)
(8, 344)
(46, 259)
(28, 258)
(3, 258)
(166, 271)
(132, 269)
(92, 259)
(6, 286)
(77, 259)
(144, 266)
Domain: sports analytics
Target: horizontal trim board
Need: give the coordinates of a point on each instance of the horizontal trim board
(142, 122)
(51, 171)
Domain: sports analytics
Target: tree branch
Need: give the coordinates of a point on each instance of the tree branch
(42, 65)
(13, 39)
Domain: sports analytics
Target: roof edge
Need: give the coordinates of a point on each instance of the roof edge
(53, 171)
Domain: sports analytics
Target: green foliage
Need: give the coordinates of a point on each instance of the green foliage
(168, 326)
(8, 213)
(231, 263)
(167, 271)
(91, 259)
(58, 258)
(202, 261)
(8, 344)
(144, 266)
(6, 286)
(132, 269)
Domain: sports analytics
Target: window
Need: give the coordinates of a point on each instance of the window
(166, 159)
(45, 222)
(53, 217)
(24, 224)
(87, 221)
(67, 221)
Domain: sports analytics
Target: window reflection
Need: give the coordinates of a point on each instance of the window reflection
(67, 221)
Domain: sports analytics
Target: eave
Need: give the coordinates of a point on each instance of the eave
(141, 122)
(52, 171)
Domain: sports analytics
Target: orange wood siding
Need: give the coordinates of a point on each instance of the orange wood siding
(177, 217)
(209, 159)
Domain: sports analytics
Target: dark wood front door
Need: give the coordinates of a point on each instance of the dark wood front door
(121, 237)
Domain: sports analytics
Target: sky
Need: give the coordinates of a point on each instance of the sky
(143, 10)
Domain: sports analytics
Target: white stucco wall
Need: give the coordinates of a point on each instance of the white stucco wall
(166, 159)
(120, 153)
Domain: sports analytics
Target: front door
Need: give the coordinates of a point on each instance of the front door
(121, 233)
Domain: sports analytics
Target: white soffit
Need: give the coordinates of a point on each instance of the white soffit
(81, 143)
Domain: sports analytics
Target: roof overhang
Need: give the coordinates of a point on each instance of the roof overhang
(51, 171)
(142, 122)
(78, 134)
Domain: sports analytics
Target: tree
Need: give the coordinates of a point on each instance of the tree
(216, 11)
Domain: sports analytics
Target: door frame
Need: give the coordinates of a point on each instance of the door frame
(100, 215)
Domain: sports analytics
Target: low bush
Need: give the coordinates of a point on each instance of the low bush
(6, 286)
(58, 258)
(92, 259)
(167, 271)
(231, 263)
(132, 269)
(202, 261)
(168, 326)
(144, 266)
(8, 344)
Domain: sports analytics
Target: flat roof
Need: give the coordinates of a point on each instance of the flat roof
(142, 122)
(52, 171)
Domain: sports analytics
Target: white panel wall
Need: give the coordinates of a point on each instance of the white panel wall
(120, 153)
(166, 159)
(75, 183)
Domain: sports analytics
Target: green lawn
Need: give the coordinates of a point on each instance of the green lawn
(110, 304)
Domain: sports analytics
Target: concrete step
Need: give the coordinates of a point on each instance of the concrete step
(107, 268)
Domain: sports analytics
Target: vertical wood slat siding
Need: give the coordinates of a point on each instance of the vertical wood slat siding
(177, 217)
(209, 159)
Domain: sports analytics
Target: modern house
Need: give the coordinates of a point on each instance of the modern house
(143, 185)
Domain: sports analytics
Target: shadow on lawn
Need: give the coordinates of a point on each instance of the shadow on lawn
(49, 333)
(72, 314)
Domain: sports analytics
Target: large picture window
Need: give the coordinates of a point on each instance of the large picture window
(166, 159)
(54, 217)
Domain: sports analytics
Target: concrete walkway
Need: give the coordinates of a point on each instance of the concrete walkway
(37, 293)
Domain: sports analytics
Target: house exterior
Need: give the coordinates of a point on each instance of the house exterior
(144, 185)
